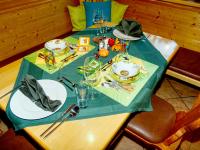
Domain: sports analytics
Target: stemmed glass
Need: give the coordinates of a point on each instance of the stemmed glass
(124, 56)
(98, 20)
(92, 74)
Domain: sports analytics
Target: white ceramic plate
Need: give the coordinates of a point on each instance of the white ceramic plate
(122, 36)
(56, 45)
(24, 108)
(125, 69)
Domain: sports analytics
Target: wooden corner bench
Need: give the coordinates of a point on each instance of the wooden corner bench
(186, 66)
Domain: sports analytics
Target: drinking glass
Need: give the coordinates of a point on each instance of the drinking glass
(92, 74)
(82, 95)
(50, 60)
(103, 27)
(98, 20)
(123, 55)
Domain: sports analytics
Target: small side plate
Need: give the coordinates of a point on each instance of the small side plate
(123, 36)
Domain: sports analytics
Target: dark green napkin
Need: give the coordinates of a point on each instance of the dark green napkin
(33, 90)
(130, 27)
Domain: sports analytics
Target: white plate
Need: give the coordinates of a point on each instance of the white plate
(125, 69)
(24, 108)
(123, 36)
(56, 45)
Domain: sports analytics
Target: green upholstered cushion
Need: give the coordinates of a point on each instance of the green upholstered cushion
(78, 19)
(117, 11)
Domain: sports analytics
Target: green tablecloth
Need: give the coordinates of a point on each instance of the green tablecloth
(103, 105)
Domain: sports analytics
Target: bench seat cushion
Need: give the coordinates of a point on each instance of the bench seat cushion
(186, 62)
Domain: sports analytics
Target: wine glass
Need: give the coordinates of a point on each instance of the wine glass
(98, 20)
(92, 73)
(123, 55)
(103, 26)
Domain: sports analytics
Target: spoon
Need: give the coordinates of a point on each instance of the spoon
(73, 112)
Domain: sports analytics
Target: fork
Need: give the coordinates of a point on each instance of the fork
(108, 64)
(72, 83)
(61, 80)
(117, 85)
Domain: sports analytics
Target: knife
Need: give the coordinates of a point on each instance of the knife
(73, 112)
(62, 115)
(10, 91)
(69, 57)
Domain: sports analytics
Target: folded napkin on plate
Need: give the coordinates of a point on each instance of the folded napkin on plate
(130, 27)
(33, 90)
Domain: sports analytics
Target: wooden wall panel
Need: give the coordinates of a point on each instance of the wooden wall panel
(29, 25)
(174, 21)
(24, 28)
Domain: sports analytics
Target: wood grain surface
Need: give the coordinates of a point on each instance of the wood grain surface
(27, 23)
(171, 20)
(26, 27)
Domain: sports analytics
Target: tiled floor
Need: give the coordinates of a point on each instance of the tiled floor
(181, 96)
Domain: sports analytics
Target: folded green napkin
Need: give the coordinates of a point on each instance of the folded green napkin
(33, 90)
(130, 27)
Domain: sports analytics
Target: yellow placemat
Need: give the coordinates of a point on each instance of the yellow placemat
(59, 64)
(121, 95)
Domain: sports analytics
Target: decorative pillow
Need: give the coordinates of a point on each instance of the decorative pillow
(78, 19)
(90, 8)
(117, 11)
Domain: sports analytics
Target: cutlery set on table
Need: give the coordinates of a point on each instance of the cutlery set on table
(71, 111)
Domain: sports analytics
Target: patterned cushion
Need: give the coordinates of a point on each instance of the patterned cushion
(91, 7)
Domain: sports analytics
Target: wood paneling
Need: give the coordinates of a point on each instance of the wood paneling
(10, 5)
(25, 27)
(29, 24)
(194, 3)
(173, 21)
